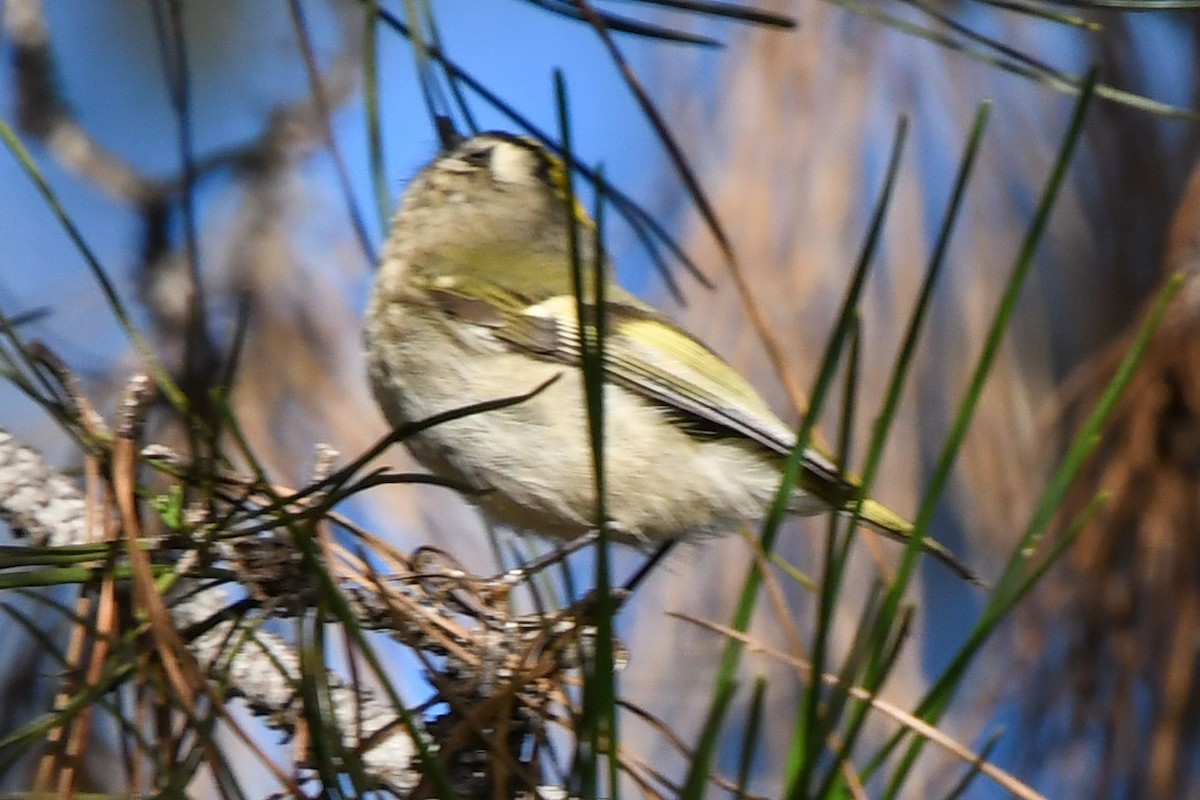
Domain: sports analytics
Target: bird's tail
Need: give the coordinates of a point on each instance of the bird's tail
(820, 479)
(894, 526)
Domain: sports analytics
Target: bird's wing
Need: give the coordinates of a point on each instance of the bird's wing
(644, 352)
(647, 354)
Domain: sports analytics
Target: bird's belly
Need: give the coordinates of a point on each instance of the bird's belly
(530, 465)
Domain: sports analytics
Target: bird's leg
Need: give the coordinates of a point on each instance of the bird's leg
(521, 574)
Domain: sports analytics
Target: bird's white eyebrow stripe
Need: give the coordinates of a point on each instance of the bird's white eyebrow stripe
(512, 163)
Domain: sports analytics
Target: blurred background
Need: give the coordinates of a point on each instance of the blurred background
(1092, 687)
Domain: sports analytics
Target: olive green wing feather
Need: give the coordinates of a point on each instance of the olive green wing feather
(644, 352)
(647, 354)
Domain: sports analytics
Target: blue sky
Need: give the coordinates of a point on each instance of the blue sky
(244, 61)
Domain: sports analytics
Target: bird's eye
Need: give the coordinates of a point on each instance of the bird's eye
(478, 157)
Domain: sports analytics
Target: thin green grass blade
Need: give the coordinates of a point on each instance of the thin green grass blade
(375, 151)
(1017, 580)
(816, 714)
(324, 741)
(1002, 599)
(724, 688)
(15, 556)
(893, 637)
(726, 11)
(431, 94)
(674, 152)
(47, 642)
(815, 730)
(598, 731)
(1084, 445)
(324, 117)
(1052, 79)
(172, 41)
(1003, 315)
(638, 217)
(751, 736)
(115, 303)
(883, 655)
(60, 576)
(20, 368)
(1131, 5)
(1045, 11)
(626, 25)
(904, 358)
(338, 607)
(890, 619)
(455, 84)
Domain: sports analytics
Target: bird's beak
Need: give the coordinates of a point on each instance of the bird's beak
(446, 132)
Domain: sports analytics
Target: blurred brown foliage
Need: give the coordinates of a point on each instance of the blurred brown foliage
(1111, 641)
(791, 153)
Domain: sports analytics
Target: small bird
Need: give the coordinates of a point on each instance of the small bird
(473, 302)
